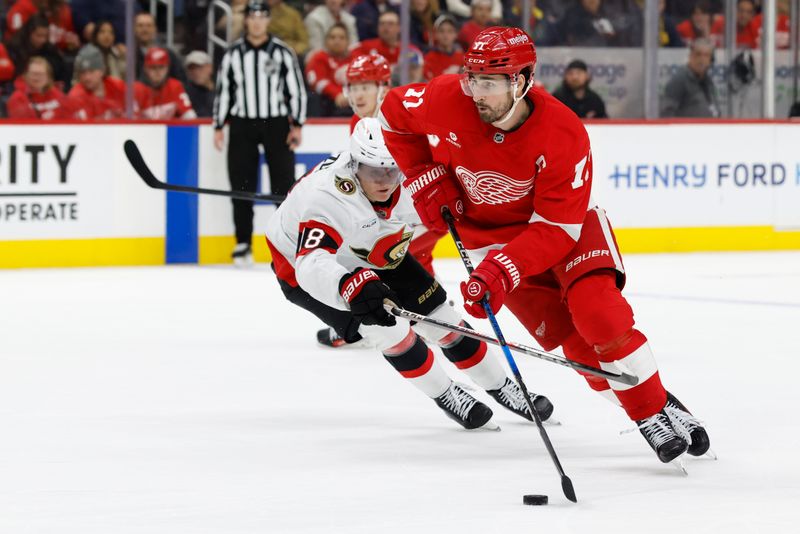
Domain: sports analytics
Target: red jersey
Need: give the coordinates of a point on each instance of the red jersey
(369, 46)
(92, 107)
(783, 31)
(527, 189)
(169, 101)
(6, 65)
(61, 23)
(326, 74)
(746, 37)
(438, 62)
(50, 105)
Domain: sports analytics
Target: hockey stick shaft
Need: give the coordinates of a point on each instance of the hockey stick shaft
(140, 166)
(566, 483)
(622, 378)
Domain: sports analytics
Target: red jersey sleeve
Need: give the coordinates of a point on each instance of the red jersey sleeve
(6, 65)
(402, 117)
(560, 201)
(19, 106)
(183, 105)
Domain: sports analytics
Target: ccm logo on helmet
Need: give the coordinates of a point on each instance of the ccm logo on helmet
(518, 39)
(474, 60)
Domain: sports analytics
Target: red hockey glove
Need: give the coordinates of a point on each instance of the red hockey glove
(496, 276)
(432, 189)
(364, 292)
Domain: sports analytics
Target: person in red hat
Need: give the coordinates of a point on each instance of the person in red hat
(159, 97)
(517, 175)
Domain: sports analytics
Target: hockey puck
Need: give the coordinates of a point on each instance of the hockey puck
(534, 500)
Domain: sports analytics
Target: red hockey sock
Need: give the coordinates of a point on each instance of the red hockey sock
(604, 319)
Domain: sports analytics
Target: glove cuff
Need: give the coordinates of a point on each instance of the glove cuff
(511, 269)
(420, 182)
(351, 284)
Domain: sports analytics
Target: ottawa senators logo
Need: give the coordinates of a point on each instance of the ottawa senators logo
(345, 185)
(388, 251)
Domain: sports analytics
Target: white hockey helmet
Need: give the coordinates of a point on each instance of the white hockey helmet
(367, 146)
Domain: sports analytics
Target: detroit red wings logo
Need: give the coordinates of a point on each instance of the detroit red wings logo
(489, 187)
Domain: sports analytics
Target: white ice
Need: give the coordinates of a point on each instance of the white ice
(194, 400)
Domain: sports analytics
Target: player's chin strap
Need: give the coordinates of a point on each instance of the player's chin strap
(517, 100)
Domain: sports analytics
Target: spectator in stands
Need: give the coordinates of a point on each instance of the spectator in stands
(415, 63)
(96, 96)
(746, 33)
(783, 29)
(87, 13)
(480, 20)
(691, 91)
(325, 72)
(6, 65)
(200, 84)
(586, 24)
(667, 30)
(683, 9)
(387, 43)
(423, 14)
(698, 25)
(159, 96)
(144, 29)
(367, 13)
(574, 92)
(446, 57)
(322, 17)
(463, 10)
(37, 97)
(32, 40)
(57, 13)
(104, 38)
(286, 23)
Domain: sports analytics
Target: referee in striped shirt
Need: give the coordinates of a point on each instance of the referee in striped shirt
(260, 93)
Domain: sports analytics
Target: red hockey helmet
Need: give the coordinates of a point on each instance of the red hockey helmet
(499, 50)
(156, 57)
(368, 68)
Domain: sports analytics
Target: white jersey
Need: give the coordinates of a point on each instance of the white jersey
(327, 228)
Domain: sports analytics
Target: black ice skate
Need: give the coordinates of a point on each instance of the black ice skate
(329, 338)
(465, 409)
(662, 437)
(510, 396)
(242, 255)
(688, 427)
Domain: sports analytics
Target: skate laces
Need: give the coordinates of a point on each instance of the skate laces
(512, 395)
(683, 418)
(657, 429)
(458, 401)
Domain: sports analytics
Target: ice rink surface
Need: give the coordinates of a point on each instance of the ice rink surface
(194, 400)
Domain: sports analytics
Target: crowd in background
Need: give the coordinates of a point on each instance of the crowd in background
(65, 59)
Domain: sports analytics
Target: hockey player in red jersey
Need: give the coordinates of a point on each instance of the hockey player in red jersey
(518, 176)
(368, 79)
(339, 245)
(160, 97)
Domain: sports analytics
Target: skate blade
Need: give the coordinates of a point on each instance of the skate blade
(490, 426)
(552, 422)
(677, 463)
(711, 455)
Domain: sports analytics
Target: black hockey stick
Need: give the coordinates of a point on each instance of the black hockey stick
(137, 162)
(566, 483)
(623, 378)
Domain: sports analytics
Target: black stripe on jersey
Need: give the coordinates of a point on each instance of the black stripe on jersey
(316, 235)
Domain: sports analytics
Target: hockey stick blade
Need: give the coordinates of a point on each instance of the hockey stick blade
(623, 378)
(140, 166)
(566, 487)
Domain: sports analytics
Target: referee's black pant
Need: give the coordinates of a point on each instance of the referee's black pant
(243, 159)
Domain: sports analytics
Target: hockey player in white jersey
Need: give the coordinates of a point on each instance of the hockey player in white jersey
(339, 245)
